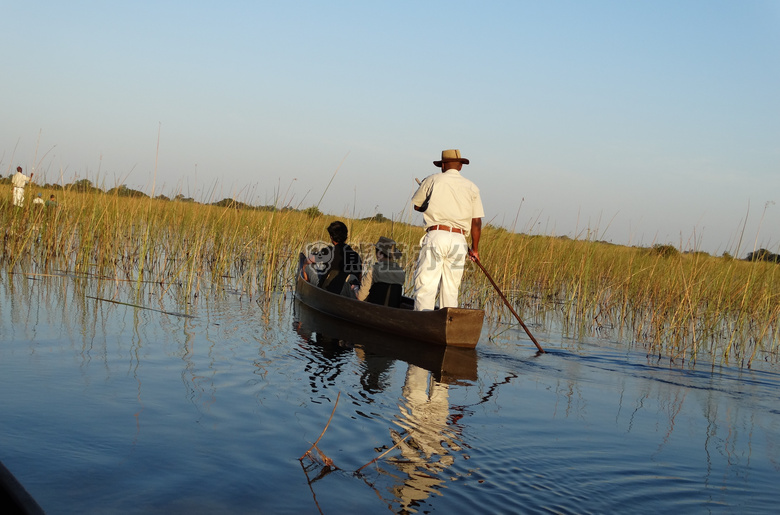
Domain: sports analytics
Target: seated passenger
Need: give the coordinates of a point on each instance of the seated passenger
(383, 282)
(336, 267)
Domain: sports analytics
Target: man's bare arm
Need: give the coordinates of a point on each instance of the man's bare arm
(476, 233)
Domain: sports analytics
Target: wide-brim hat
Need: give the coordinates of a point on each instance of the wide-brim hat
(387, 247)
(451, 156)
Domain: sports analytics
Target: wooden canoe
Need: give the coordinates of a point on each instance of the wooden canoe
(14, 496)
(448, 364)
(457, 327)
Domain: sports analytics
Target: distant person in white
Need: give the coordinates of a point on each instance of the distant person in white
(19, 180)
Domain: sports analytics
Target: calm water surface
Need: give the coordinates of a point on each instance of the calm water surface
(114, 408)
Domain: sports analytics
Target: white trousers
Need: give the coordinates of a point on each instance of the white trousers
(18, 196)
(439, 269)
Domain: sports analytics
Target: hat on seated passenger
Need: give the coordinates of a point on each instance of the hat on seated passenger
(450, 156)
(387, 247)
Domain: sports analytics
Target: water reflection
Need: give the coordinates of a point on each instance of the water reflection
(375, 372)
(134, 402)
(424, 431)
(379, 351)
(427, 450)
(325, 357)
(713, 421)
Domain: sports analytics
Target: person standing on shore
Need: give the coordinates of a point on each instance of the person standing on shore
(452, 211)
(19, 181)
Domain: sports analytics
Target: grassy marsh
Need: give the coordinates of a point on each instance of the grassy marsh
(682, 306)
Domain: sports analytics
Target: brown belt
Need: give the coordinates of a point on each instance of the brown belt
(444, 228)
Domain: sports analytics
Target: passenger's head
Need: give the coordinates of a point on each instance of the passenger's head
(338, 232)
(386, 248)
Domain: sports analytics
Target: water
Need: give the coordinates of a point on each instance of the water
(110, 408)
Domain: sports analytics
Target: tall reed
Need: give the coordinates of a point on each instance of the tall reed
(680, 305)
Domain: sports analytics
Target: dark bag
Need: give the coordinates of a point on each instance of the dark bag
(424, 205)
(385, 294)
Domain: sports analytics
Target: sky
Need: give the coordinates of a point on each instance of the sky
(638, 123)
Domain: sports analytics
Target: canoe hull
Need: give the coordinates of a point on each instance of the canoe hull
(457, 327)
(448, 364)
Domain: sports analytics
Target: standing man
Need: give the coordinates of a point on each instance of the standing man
(19, 180)
(452, 210)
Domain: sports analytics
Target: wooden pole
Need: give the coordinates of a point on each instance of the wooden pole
(509, 306)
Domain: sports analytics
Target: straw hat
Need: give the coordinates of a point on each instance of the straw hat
(449, 156)
(387, 247)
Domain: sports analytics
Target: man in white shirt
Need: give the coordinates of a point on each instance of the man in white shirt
(19, 180)
(452, 211)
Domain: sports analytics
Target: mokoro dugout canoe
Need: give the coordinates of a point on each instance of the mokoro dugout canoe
(457, 327)
(14, 498)
(448, 364)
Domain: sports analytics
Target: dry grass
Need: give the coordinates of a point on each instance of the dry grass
(681, 305)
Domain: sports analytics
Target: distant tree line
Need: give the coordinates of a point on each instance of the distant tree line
(86, 186)
(763, 255)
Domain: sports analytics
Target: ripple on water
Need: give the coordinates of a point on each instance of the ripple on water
(139, 412)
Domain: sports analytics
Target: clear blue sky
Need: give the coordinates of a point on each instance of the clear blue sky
(641, 122)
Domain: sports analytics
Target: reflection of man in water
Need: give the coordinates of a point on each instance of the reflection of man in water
(424, 416)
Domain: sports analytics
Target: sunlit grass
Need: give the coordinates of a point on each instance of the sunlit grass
(680, 305)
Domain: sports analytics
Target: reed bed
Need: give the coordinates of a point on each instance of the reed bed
(679, 305)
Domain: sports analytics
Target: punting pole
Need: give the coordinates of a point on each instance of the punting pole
(509, 306)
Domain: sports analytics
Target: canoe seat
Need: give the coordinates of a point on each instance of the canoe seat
(385, 294)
